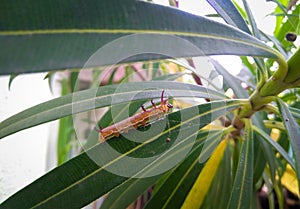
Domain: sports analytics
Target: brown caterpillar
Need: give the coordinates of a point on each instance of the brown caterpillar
(139, 119)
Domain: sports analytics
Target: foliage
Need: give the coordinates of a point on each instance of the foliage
(228, 136)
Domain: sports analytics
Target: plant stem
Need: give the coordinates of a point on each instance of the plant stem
(293, 68)
(287, 76)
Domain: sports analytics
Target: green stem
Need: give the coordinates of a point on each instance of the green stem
(276, 83)
(258, 101)
(273, 86)
(287, 76)
(294, 68)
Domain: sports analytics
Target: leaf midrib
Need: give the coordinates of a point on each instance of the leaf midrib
(122, 31)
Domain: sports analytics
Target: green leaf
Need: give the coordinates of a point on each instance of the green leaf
(274, 144)
(260, 157)
(52, 35)
(203, 183)
(222, 184)
(169, 77)
(250, 66)
(230, 81)
(11, 78)
(293, 132)
(264, 150)
(278, 188)
(65, 131)
(173, 191)
(241, 195)
(281, 4)
(290, 25)
(99, 97)
(230, 14)
(73, 80)
(128, 192)
(261, 148)
(295, 112)
(96, 172)
(263, 74)
(252, 22)
(123, 111)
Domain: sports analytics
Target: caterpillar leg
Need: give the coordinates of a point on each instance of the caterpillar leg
(143, 108)
(162, 101)
(153, 104)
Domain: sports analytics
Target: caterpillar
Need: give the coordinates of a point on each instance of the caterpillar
(139, 119)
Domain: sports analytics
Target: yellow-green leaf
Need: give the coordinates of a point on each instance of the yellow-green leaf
(199, 190)
(289, 180)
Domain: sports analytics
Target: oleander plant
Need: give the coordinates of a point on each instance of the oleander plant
(202, 139)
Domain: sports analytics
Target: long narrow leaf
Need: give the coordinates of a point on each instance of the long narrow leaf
(261, 156)
(251, 19)
(91, 173)
(230, 14)
(274, 144)
(222, 183)
(241, 195)
(293, 132)
(263, 148)
(255, 31)
(172, 195)
(202, 184)
(52, 35)
(128, 191)
(99, 97)
(290, 25)
(295, 112)
(230, 81)
(65, 130)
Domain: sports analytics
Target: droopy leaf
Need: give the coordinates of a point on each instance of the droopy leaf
(49, 35)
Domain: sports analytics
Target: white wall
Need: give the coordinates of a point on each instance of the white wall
(23, 154)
